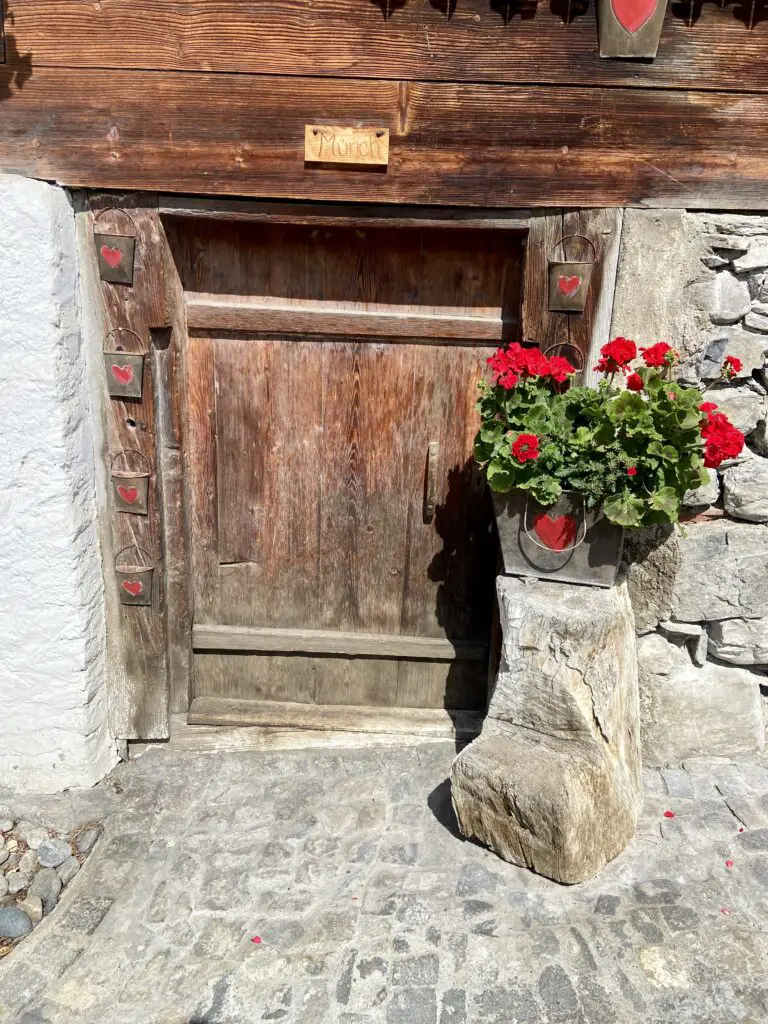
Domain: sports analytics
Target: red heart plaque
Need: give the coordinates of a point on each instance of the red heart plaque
(633, 14)
(133, 587)
(556, 534)
(112, 257)
(568, 285)
(122, 374)
(128, 494)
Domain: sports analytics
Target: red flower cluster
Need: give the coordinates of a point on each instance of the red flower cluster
(660, 354)
(512, 363)
(616, 355)
(526, 447)
(632, 471)
(731, 367)
(722, 439)
(635, 382)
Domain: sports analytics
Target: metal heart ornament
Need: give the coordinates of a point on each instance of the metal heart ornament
(633, 14)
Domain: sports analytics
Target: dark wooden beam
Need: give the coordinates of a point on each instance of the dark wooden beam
(452, 144)
(482, 41)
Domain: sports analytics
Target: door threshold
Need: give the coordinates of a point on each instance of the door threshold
(429, 723)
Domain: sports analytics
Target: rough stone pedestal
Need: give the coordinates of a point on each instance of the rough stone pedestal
(554, 781)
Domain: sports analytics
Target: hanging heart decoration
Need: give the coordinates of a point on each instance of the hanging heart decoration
(556, 534)
(133, 587)
(633, 14)
(122, 374)
(113, 257)
(128, 494)
(568, 285)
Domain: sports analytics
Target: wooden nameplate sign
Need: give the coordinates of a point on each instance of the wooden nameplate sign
(327, 144)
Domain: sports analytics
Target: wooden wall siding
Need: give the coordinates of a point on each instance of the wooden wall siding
(470, 145)
(136, 637)
(514, 42)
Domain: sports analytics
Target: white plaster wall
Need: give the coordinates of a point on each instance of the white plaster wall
(53, 727)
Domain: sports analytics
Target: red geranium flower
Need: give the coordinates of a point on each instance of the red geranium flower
(660, 354)
(560, 368)
(722, 439)
(635, 382)
(632, 471)
(731, 367)
(616, 355)
(526, 447)
(708, 407)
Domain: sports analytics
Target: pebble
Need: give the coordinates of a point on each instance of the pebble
(68, 870)
(13, 862)
(47, 885)
(3, 885)
(11, 845)
(31, 834)
(28, 863)
(53, 852)
(14, 923)
(6, 824)
(86, 840)
(4, 855)
(17, 881)
(32, 907)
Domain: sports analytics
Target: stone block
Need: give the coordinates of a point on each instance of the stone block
(755, 258)
(729, 299)
(651, 562)
(721, 572)
(705, 495)
(749, 348)
(740, 641)
(687, 711)
(745, 490)
(743, 406)
(554, 781)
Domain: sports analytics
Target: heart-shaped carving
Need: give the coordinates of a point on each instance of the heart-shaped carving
(133, 587)
(112, 257)
(556, 534)
(568, 285)
(633, 14)
(128, 494)
(122, 374)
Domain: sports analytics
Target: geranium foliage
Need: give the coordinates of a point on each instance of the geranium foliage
(633, 451)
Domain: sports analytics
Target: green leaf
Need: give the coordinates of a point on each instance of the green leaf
(666, 500)
(500, 477)
(623, 509)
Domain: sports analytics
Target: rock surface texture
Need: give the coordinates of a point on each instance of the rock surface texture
(553, 783)
(689, 711)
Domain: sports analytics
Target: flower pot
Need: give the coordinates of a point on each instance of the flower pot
(569, 280)
(565, 541)
(130, 487)
(630, 28)
(134, 579)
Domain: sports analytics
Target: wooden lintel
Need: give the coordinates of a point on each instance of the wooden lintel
(310, 641)
(343, 215)
(428, 722)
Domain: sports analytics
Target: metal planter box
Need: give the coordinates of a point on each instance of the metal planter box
(565, 541)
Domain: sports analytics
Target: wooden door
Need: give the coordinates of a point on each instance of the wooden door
(330, 395)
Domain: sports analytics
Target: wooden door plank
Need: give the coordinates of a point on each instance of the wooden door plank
(425, 721)
(212, 637)
(480, 42)
(212, 313)
(453, 144)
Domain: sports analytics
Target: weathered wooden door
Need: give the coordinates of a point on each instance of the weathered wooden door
(342, 542)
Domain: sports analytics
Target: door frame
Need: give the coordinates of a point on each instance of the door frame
(146, 691)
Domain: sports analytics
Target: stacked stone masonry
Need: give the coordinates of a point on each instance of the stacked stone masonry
(700, 591)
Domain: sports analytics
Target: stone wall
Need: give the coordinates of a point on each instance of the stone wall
(53, 732)
(700, 592)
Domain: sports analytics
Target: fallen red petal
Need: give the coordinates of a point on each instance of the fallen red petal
(741, 830)
(669, 814)
(729, 864)
(726, 911)
(256, 939)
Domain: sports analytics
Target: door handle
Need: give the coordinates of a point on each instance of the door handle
(430, 483)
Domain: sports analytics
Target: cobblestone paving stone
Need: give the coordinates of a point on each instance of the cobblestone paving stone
(368, 906)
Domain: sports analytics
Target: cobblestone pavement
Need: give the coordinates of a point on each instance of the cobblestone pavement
(368, 906)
